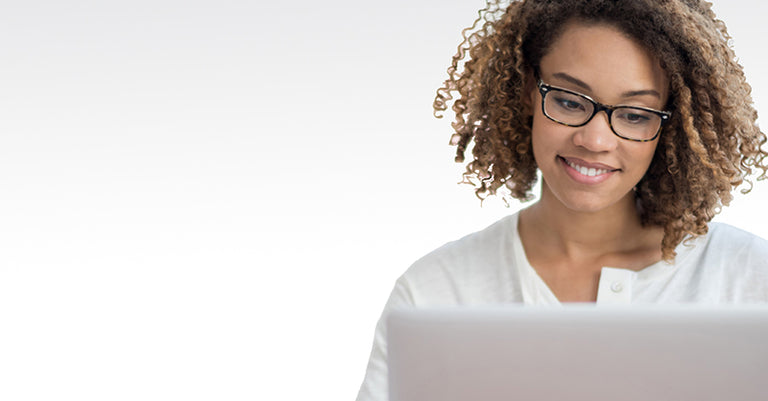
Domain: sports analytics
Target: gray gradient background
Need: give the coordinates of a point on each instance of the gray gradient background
(209, 200)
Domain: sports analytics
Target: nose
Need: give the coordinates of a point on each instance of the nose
(596, 135)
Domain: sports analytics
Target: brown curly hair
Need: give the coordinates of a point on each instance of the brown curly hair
(710, 146)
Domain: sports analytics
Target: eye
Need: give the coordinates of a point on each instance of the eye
(634, 116)
(569, 103)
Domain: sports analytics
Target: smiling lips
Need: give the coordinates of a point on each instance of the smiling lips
(587, 173)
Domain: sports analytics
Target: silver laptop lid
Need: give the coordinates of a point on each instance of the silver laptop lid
(579, 353)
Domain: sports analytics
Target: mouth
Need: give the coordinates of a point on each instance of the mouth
(588, 169)
(586, 172)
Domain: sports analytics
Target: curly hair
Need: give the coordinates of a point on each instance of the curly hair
(710, 146)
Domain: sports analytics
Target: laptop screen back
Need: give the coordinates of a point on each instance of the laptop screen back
(579, 353)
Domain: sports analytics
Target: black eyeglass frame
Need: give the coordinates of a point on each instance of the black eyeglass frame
(544, 89)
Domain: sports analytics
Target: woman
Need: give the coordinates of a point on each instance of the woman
(640, 122)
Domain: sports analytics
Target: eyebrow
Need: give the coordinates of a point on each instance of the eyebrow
(583, 85)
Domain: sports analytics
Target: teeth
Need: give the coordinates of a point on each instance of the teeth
(589, 172)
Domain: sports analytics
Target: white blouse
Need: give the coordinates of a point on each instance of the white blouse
(489, 267)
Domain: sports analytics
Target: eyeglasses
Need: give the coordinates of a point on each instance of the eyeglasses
(639, 124)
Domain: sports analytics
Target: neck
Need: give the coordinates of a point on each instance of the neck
(579, 234)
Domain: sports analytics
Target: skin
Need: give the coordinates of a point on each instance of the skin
(582, 224)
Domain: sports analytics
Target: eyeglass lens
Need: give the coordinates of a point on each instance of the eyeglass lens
(628, 122)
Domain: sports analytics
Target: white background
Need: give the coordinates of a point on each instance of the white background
(212, 199)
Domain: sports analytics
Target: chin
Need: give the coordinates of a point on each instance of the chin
(620, 205)
(586, 207)
(592, 202)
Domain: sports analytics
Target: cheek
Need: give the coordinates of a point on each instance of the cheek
(546, 138)
(537, 142)
(647, 154)
(641, 158)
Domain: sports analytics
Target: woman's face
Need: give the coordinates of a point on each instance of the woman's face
(589, 168)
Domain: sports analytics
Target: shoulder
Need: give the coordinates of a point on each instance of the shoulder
(736, 243)
(732, 261)
(473, 247)
(478, 266)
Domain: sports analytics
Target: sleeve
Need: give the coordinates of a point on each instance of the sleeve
(751, 286)
(375, 385)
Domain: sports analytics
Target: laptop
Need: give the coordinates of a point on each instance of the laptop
(579, 352)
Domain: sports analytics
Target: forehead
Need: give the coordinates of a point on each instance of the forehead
(604, 58)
